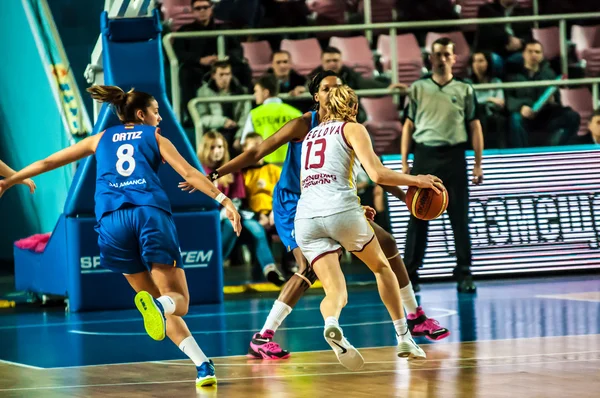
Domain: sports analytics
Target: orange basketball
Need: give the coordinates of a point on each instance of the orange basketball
(425, 204)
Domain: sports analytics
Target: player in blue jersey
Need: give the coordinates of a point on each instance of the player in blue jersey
(285, 200)
(136, 232)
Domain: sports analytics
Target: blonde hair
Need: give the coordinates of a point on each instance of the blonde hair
(342, 104)
(206, 142)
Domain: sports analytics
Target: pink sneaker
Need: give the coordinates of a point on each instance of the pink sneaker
(263, 347)
(420, 325)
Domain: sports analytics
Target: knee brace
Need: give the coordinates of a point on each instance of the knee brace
(308, 276)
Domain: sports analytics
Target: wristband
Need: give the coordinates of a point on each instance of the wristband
(221, 197)
(214, 176)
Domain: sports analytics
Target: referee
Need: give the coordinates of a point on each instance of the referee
(441, 118)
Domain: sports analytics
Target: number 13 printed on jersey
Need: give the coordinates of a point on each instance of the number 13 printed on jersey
(315, 160)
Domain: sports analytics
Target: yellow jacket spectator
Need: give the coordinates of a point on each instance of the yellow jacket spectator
(260, 181)
(269, 116)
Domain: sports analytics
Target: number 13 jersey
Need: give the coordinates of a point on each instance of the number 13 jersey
(127, 162)
(329, 168)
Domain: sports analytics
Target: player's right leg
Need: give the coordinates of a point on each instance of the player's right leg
(159, 252)
(418, 323)
(262, 345)
(323, 254)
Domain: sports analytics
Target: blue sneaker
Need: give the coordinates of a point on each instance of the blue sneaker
(153, 313)
(206, 374)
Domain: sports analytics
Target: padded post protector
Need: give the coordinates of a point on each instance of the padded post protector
(132, 56)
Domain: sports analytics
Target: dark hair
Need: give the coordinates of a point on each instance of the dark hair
(489, 73)
(125, 103)
(222, 64)
(532, 42)
(315, 83)
(269, 82)
(444, 41)
(251, 136)
(280, 52)
(206, 1)
(330, 50)
(596, 113)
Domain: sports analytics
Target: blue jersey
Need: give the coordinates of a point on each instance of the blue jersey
(127, 162)
(290, 173)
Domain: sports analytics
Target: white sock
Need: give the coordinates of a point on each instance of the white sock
(193, 350)
(401, 328)
(167, 303)
(409, 301)
(278, 313)
(331, 321)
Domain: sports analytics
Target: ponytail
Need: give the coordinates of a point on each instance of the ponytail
(126, 103)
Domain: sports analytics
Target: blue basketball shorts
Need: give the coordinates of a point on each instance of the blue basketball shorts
(134, 238)
(284, 212)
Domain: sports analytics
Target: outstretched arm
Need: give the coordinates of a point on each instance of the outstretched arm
(198, 180)
(292, 130)
(6, 171)
(63, 157)
(359, 139)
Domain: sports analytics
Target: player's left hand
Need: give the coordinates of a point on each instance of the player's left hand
(186, 186)
(477, 175)
(4, 186)
(370, 212)
(29, 182)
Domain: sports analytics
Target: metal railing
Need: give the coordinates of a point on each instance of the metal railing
(393, 28)
(594, 82)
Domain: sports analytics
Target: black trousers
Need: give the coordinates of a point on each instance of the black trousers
(449, 164)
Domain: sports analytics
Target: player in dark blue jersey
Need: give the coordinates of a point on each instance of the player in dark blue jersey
(136, 233)
(285, 199)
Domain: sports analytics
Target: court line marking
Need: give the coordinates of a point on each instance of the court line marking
(204, 315)
(284, 363)
(22, 365)
(572, 297)
(397, 371)
(447, 314)
(311, 351)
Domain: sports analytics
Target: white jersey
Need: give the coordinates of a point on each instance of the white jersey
(327, 173)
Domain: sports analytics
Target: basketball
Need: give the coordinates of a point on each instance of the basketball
(425, 204)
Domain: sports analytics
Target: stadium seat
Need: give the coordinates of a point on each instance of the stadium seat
(383, 124)
(587, 45)
(258, 54)
(410, 59)
(356, 53)
(550, 39)
(306, 54)
(580, 99)
(177, 13)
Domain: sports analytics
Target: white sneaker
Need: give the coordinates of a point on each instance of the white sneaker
(407, 348)
(348, 356)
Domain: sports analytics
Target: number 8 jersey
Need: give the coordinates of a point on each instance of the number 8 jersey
(328, 172)
(127, 162)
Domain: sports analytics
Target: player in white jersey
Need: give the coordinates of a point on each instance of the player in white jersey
(330, 217)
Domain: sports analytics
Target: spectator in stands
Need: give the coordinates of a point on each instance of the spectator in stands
(594, 126)
(490, 105)
(331, 59)
(557, 123)
(225, 117)
(212, 154)
(504, 41)
(289, 80)
(198, 55)
(269, 116)
(260, 181)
